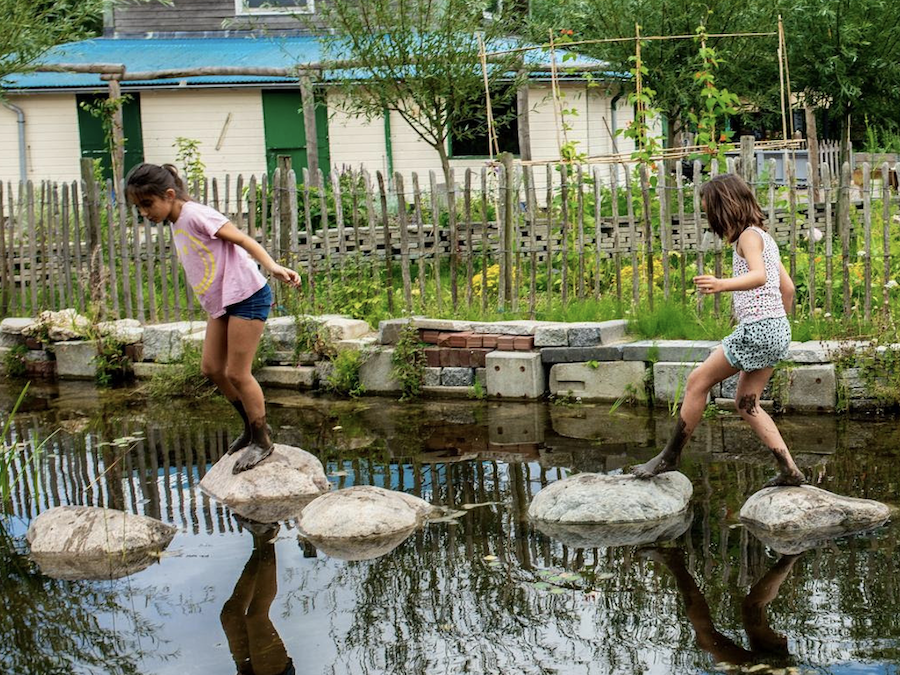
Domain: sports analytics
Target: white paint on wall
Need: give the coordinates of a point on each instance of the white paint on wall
(53, 146)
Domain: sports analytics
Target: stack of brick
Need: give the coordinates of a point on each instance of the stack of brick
(457, 358)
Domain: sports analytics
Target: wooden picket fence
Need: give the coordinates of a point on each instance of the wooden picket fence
(549, 235)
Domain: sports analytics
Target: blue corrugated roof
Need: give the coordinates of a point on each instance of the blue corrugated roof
(157, 53)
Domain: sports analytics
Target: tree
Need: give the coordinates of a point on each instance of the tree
(844, 57)
(420, 59)
(746, 65)
(29, 29)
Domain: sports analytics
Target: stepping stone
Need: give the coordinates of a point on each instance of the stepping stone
(602, 499)
(618, 534)
(89, 542)
(362, 522)
(275, 489)
(794, 519)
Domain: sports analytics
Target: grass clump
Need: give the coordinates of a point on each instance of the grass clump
(183, 378)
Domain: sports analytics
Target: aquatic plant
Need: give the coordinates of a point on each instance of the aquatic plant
(8, 452)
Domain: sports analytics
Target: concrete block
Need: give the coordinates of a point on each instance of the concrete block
(612, 331)
(670, 379)
(376, 375)
(551, 336)
(728, 388)
(481, 376)
(515, 375)
(281, 331)
(432, 377)
(609, 381)
(581, 354)
(342, 328)
(823, 351)
(76, 360)
(300, 377)
(811, 388)
(389, 331)
(685, 351)
(163, 342)
(457, 377)
(144, 370)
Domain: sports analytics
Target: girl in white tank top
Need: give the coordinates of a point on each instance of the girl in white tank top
(762, 293)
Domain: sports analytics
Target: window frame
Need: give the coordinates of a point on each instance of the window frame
(241, 9)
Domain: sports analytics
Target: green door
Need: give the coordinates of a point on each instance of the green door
(286, 132)
(93, 137)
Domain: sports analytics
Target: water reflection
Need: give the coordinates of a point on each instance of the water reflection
(766, 645)
(255, 645)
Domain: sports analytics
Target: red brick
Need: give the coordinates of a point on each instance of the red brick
(458, 340)
(134, 352)
(473, 341)
(429, 336)
(524, 343)
(506, 343)
(444, 339)
(33, 344)
(489, 341)
(45, 369)
(477, 357)
(433, 357)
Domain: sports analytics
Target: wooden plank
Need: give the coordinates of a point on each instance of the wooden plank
(531, 206)
(420, 237)
(126, 257)
(829, 233)
(150, 250)
(436, 220)
(682, 225)
(138, 267)
(867, 240)
(308, 223)
(176, 275)
(294, 219)
(404, 240)
(388, 248)
(564, 233)
(215, 195)
(665, 226)
(844, 216)
(227, 211)
(467, 206)
(580, 213)
(265, 188)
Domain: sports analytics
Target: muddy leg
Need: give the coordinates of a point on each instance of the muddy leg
(260, 447)
(243, 440)
(668, 459)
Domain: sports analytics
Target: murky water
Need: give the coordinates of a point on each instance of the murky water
(487, 593)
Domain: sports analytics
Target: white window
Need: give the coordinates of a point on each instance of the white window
(273, 6)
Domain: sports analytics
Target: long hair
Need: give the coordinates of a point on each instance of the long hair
(731, 206)
(152, 180)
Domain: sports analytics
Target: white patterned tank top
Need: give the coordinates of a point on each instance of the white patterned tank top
(763, 302)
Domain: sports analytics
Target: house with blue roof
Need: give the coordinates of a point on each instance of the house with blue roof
(243, 122)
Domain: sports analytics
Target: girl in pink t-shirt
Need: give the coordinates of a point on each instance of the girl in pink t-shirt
(220, 263)
(763, 292)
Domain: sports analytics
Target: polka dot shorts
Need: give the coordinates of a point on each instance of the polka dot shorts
(758, 344)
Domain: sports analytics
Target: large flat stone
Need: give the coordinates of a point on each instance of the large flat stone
(425, 323)
(389, 330)
(590, 334)
(669, 350)
(517, 327)
(515, 375)
(600, 498)
(76, 360)
(376, 373)
(343, 328)
(15, 325)
(581, 354)
(163, 343)
(551, 336)
(281, 331)
(811, 388)
(602, 381)
(292, 377)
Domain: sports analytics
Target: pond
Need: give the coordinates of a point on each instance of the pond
(483, 591)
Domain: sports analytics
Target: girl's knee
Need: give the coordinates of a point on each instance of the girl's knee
(212, 371)
(238, 376)
(697, 383)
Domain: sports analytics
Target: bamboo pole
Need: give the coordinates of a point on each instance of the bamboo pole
(339, 222)
(32, 248)
(125, 256)
(326, 234)
(163, 270)
(509, 226)
(67, 243)
(614, 207)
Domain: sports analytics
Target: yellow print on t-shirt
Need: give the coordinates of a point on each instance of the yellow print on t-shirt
(205, 256)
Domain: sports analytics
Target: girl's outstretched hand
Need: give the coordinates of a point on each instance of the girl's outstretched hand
(708, 284)
(286, 275)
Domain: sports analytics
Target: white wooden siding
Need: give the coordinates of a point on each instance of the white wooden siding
(51, 136)
(201, 115)
(352, 140)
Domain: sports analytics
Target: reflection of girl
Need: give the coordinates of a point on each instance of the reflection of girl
(765, 644)
(255, 645)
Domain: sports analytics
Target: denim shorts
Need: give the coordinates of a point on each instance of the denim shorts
(257, 306)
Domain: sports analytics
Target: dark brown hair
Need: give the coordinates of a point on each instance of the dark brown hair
(731, 206)
(152, 180)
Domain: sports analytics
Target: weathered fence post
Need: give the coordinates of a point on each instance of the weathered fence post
(748, 160)
(509, 220)
(91, 196)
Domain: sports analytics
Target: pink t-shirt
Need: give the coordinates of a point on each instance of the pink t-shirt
(220, 272)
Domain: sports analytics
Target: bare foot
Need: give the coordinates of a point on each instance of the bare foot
(240, 442)
(664, 461)
(786, 478)
(253, 455)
